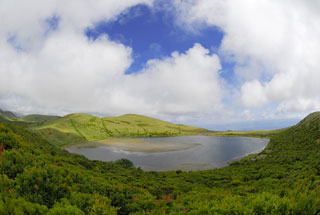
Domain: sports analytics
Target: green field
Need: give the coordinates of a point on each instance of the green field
(37, 178)
(254, 133)
(37, 118)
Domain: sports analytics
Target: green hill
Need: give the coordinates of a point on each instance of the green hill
(253, 133)
(37, 178)
(39, 118)
(75, 128)
(7, 116)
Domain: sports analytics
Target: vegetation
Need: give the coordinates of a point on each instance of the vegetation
(7, 116)
(37, 178)
(77, 128)
(254, 133)
(36, 118)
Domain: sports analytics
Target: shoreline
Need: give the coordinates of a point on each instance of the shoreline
(186, 167)
(137, 145)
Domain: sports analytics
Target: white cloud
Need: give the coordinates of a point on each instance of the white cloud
(64, 72)
(61, 71)
(300, 105)
(181, 84)
(72, 74)
(275, 45)
(253, 94)
(27, 19)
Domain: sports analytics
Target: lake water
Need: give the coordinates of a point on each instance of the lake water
(205, 152)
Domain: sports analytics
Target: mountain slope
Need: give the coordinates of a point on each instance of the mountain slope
(39, 118)
(7, 116)
(76, 128)
(253, 133)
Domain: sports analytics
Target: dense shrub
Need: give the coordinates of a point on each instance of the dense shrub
(38, 179)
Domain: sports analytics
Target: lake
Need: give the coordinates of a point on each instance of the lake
(172, 153)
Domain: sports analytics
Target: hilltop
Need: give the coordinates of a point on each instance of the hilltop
(77, 128)
(37, 118)
(37, 178)
(7, 116)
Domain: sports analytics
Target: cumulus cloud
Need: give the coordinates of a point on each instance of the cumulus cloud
(90, 78)
(60, 70)
(48, 65)
(180, 84)
(274, 44)
(252, 94)
(65, 72)
(84, 76)
(27, 20)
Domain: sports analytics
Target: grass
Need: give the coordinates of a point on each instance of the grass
(254, 133)
(77, 128)
(39, 118)
(7, 116)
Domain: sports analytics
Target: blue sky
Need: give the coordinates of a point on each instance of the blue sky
(236, 64)
(153, 33)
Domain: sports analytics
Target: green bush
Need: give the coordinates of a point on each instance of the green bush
(36, 178)
(125, 163)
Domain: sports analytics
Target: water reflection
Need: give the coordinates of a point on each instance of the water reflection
(211, 152)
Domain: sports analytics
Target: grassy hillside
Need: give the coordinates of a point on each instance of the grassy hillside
(76, 128)
(253, 133)
(37, 178)
(7, 116)
(39, 118)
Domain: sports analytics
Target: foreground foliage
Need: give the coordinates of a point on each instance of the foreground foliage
(37, 178)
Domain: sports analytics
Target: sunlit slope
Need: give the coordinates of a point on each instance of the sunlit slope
(7, 116)
(76, 128)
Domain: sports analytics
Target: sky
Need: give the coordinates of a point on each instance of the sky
(218, 64)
